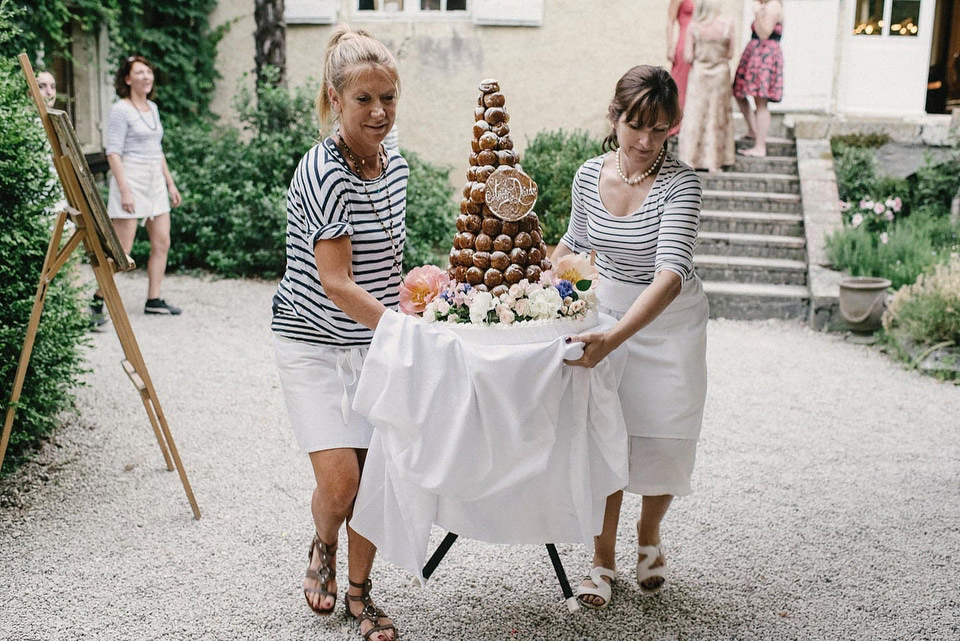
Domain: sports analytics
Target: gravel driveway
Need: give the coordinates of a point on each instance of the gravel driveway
(827, 504)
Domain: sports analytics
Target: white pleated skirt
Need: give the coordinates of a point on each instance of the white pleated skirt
(663, 387)
(150, 195)
(319, 384)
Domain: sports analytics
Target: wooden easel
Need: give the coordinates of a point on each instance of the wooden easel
(95, 231)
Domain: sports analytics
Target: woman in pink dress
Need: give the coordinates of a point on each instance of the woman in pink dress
(760, 73)
(679, 14)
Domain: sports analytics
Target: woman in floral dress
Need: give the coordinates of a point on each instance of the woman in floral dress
(760, 73)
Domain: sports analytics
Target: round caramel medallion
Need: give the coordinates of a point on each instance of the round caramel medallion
(510, 193)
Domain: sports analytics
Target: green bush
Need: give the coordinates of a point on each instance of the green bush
(234, 182)
(856, 171)
(552, 159)
(913, 245)
(431, 213)
(27, 191)
(928, 311)
(937, 184)
(843, 141)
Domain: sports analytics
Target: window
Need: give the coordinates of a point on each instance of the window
(886, 17)
(411, 6)
(904, 17)
(508, 13)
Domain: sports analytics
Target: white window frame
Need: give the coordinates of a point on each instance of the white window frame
(310, 11)
(885, 30)
(499, 13)
(411, 11)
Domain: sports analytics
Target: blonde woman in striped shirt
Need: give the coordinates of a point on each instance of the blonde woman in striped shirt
(345, 234)
(638, 208)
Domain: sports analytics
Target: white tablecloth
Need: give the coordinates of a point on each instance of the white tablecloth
(496, 442)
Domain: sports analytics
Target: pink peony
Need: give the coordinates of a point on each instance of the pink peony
(884, 238)
(857, 220)
(421, 286)
(575, 267)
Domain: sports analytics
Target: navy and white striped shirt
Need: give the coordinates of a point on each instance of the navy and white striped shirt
(326, 200)
(662, 234)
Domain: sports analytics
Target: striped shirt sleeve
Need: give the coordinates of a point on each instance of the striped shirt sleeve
(321, 191)
(679, 224)
(576, 236)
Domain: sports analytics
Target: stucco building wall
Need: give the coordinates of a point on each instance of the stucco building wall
(557, 75)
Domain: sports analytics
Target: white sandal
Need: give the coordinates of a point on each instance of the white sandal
(603, 590)
(650, 554)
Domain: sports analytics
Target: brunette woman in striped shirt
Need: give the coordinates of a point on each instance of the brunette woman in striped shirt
(638, 208)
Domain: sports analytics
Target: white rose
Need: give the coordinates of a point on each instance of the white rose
(545, 303)
(482, 303)
(516, 291)
(441, 305)
(506, 316)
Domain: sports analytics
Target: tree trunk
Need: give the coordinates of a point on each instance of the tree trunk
(271, 40)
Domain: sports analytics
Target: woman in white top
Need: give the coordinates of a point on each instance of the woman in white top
(638, 208)
(141, 186)
(346, 208)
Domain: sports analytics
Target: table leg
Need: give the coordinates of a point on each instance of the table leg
(438, 554)
(571, 600)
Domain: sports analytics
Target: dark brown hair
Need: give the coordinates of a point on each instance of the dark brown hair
(644, 93)
(120, 82)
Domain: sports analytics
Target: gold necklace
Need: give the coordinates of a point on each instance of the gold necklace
(634, 181)
(358, 164)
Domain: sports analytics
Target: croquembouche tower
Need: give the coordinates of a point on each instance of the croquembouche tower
(498, 241)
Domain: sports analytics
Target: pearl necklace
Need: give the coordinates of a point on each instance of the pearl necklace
(634, 181)
(359, 164)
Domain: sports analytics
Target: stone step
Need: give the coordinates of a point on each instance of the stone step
(751, 222)
(775, 146)
(759, 182)
(752, 201)
(749, 269)
(755, 245)
(770, 164)
(753, 301)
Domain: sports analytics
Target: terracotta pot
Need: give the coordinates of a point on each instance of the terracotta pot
(862, 301)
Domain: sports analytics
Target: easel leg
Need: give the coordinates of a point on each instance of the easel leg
(142, 388)
(438, 554)
(137, 370)
(571, 601)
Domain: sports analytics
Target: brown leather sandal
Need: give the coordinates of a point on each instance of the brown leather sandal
(326, 572)
(370, 612)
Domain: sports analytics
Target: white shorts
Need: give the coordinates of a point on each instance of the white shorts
(319, 384)
(150, 195)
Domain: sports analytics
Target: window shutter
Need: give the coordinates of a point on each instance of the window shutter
(508, 13)
(310, 11)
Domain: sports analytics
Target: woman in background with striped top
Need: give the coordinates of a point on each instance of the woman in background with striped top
(345, 235)
(638, 208)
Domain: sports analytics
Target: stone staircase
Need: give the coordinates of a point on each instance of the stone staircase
(752, 254)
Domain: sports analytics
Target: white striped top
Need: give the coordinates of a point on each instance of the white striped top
(326, 200)
(134, 134)
(662, 234)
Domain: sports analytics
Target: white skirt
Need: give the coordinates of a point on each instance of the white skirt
(319, 384)
(150, 195)
(663, 387)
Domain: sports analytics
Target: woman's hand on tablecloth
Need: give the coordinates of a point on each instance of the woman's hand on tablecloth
(596, 346)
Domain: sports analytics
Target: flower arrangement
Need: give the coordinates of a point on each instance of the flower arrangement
(873, 216)
(568, 291)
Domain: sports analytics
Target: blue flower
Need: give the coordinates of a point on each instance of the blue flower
(564, 288)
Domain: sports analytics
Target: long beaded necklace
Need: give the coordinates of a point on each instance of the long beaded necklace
(359, 165)
(144, 120)
(634, 181)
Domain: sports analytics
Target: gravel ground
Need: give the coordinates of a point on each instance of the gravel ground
(827, 504)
